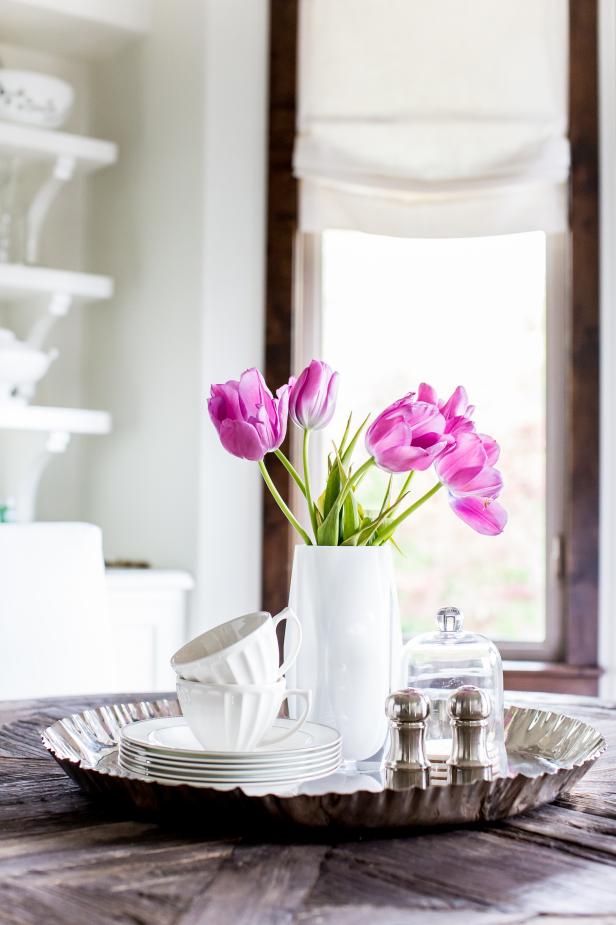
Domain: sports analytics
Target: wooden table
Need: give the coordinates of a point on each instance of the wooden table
(65, 859)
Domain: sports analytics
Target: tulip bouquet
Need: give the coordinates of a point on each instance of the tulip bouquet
(414, 433)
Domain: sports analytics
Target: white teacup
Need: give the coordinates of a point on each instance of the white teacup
(234, 717)
(242, 651)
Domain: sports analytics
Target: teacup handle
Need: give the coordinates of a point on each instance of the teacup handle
(304, 695)
(289, 615)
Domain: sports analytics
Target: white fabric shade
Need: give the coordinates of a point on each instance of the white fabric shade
(433, 118)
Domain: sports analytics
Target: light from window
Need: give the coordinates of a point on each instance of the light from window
(451, 311)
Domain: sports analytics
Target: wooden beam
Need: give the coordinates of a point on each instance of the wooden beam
(581, 591)
(551, 678)
(281, 229)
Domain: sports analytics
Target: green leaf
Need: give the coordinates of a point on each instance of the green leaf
(328, 533)
(346, 433)
(350, 516)
(346, 456)
(365, 534)
(387, 495)
(332, 489)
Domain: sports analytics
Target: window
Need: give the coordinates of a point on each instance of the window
(394, 311)
(563, 627)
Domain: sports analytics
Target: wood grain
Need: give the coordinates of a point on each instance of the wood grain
(582, 537)
(281, 230)
(67, 860)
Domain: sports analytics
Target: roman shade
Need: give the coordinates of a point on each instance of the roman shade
(429, 119)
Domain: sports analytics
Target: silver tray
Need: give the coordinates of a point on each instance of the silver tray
(547, 753)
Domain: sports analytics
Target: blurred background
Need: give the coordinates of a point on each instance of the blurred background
(410, 192)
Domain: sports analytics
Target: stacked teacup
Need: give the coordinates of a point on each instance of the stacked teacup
(231, 686)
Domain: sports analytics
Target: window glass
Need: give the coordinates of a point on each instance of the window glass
(451, 311)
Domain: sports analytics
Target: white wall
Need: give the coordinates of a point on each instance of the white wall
(143, 357)
(236, 55)
(180, 224)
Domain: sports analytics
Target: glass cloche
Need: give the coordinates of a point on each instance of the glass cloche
(441, 662)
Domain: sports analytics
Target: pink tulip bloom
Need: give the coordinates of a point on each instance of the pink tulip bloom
(456, 410)
(407, 435)
(466, 468)
(484, 515)
(312, 399)
(249, 420)
(473, 482)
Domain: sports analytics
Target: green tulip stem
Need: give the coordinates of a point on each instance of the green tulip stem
(281, 504)
(291, 470)
(393, 526)
(311, 510)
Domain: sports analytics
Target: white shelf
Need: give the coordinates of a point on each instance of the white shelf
(22, 282)
(67, 420)
(38, 145)
(88, 29)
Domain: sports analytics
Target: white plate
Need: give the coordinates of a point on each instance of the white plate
(267, 773)
(144, 754)
(177, 777)
(295, 771)
(306, 774)
(147, 760)
(172, 736)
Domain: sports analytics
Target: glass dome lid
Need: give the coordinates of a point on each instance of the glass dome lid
(439, 663)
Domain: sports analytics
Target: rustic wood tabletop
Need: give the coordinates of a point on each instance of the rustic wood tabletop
(66, 859)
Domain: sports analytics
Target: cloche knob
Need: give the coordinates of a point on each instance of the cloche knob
(450, 620)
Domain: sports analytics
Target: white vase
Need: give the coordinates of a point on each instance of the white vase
(345, 598)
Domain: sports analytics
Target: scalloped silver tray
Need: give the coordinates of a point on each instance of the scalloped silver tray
(547, 753)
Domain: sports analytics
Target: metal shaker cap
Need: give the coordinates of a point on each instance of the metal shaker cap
(450, 620)
(469, 704)
(407, 706)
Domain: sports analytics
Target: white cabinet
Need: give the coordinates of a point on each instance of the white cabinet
(148, 614)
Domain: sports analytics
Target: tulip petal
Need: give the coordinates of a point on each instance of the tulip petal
(462, 463)
(456, 404)
(491, 447)
(241, 439)
(486, 517)
(487, 484)
(426, 393)
(313, 396)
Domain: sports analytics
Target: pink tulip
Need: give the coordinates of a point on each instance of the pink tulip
(407, 435)
(482, 514)
(312, 399)
(473, 482)
(249, 420)
(456, 410)
(466, 470)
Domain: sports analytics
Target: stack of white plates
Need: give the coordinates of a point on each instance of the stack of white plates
(165, 749)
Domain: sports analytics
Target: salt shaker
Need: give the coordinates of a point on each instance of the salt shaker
(406, 764)
(469, 712)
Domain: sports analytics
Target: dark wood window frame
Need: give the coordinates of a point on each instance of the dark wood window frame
(577, 671)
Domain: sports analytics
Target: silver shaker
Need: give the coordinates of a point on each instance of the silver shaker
(406, 764)
(469, 710)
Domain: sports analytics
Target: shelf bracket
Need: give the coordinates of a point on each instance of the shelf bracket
(62, 172)
(59, 305)
(25, 500)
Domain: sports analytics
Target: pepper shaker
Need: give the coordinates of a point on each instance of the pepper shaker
(469, 712)
(406, 764)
